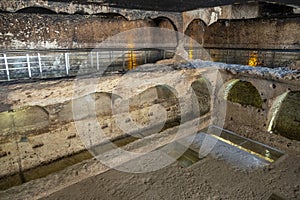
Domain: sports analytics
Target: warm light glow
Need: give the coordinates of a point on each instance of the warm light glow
(190, 52)
(131, 56)
(275, 109)
(266, 157)
(131, 60)
(253, 60)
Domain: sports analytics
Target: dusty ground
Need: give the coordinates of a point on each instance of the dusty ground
(209, 178)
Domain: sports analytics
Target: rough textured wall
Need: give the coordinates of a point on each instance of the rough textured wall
(244, 93)
(286, 121)
(196, 30)
(249, 33)
(230, 41)
(255, 33)
(34, 31)
(49, 132)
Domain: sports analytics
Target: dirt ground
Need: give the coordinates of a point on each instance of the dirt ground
(207, 179)
(210, 178)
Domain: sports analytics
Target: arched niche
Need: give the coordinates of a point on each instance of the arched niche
(202, 90)
(242, 92)
(195, 30)
(284, 115)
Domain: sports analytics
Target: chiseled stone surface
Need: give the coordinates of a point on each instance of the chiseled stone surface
(37, 132)
(287, 119)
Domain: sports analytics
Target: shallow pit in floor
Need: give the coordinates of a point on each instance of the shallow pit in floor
(224, 145)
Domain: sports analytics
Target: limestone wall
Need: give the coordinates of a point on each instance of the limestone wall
(44, 131)
(33, 31)
(272, 33)
(254, 33)
(268, 40)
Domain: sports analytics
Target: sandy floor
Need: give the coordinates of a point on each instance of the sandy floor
(210, 178)
(207, 179)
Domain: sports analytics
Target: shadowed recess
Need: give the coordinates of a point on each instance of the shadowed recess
(36, 10)
(196, 30)
(202, 92)
(111, 16)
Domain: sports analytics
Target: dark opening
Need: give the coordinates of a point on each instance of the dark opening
(36, 10)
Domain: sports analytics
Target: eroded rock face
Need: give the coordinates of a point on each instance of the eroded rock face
(24, 120)
(286, 120)
(35, 31)
(239, 41)
(46, 130)
(254, 33)
(244, 93)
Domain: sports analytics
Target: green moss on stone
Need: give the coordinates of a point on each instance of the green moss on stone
(287, 121)
(244, 93)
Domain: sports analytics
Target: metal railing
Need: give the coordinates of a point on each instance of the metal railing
(266, 57)
(16, 65)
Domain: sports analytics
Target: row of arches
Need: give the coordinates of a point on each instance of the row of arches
(283, 112)
(195, 29)
(278, 115)
(160, 21)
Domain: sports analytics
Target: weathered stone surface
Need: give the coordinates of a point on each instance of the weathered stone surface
(61, 140)
(30, 119)
(196, 31)
(255, 33)
(165, 5)
(33, 31)
(243, 92)
(287, 119)
(202, 91)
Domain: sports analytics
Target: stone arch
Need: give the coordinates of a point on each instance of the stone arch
(148, 104)
(158, 93)
(202, 90)
(195, 30)
(102, 100)
(30, 119)
(112, 15)
(36, 10)
(242, 92)
(165, 22)
(284, 115)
